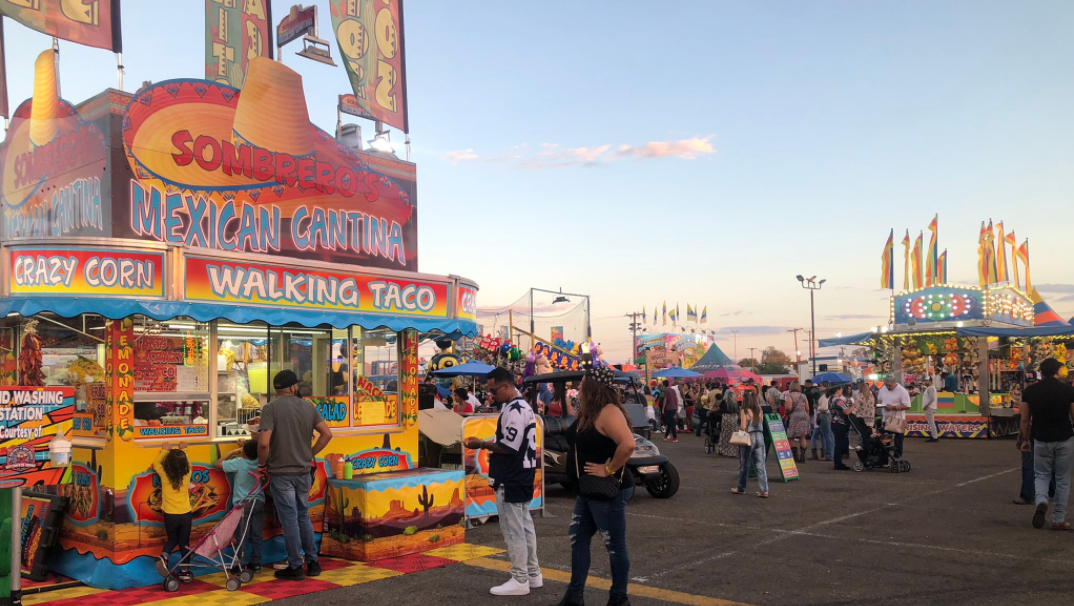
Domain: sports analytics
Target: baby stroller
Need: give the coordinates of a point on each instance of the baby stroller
(713, 425)
(878, 452)
(229, 533)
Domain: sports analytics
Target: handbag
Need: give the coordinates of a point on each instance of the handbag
(595, 487)
(895, 425)
(740, 438)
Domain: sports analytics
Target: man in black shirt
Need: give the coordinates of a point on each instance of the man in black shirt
(1046, 421)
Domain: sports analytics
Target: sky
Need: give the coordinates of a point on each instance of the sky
(697, 152)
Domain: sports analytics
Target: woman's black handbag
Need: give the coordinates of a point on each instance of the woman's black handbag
(595, 487)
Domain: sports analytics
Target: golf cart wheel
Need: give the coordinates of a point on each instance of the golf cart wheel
(667, 484)
(171, 584)
(233, 584)
(904, 466)
(246, 576)
(859, 466)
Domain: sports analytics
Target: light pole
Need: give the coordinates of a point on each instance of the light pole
(753, 362)
(561, 297)
(735, 333)
(812, 285)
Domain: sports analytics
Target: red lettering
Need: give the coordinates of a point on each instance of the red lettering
(306, 178)
(372, 182)
(346, 182)
(181, 140)
(203, 143)
(285, 169)
(237, 159)
(262, 164)
(325, 173)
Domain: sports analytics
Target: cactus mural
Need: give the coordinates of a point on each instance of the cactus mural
(426, 500)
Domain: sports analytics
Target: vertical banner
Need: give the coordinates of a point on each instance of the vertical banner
(408, 370)
(93, 23)
(778, 435)
(235, 32)
(370, 37)
(119, 369)
(3, 74)
(557, 334)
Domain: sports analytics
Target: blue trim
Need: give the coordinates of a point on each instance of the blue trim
(115, 309)
(848, 340)
(1038, 331)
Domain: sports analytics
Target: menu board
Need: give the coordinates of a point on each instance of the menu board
(169, 364)
(778, 435)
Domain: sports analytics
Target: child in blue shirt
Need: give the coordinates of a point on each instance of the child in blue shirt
(242, 462)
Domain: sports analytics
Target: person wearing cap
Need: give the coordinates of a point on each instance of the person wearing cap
(512, 469)
(284, 452)
(928, 404)
(1046, 428)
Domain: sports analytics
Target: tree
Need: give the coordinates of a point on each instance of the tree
(774, 362)
(748, 362)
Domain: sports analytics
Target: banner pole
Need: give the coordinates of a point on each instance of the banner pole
(408, 147)
(56, 50)
(339, 120)
(119, 69)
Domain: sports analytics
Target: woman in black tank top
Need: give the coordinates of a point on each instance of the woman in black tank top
(601, 442)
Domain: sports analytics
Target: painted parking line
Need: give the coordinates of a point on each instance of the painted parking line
(634, 589)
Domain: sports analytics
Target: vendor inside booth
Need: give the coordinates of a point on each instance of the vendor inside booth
(151, 293)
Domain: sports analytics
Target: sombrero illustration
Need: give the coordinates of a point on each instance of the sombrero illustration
(48, 138)
(256, 143)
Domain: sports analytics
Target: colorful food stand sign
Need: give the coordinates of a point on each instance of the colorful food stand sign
(218, 281)
(209, 495)
(94, 272)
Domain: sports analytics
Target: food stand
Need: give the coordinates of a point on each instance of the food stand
(166, 254)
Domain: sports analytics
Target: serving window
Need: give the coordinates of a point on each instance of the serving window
(171, 378)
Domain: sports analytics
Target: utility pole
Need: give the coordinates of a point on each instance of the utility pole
(735, 334)
(753, 362)
(634, 326)
(797, 352)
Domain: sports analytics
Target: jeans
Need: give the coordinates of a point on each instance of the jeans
(520, 536)
(930, 417)
(255, 515)
(177, 526)
(824, 421)
(609, 519)
(702, 416)
(1053, 461)
(291, 496)
(669, 424)
(898, 443)
(756, 452)
(1029, 491)
(842, 442)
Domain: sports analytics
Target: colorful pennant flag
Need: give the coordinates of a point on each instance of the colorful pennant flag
(990, 240)
(887, 263)
(93, 23)
(906, 261)
(982, 258)
(1023, 254)
(931, 269)
(370, 37)
(691, 314)
(674, 314)
(915, 261)
(643, 318)
(705, 315)
(1010, 239)
(1001, 254)
(665, 313)
(943, 267)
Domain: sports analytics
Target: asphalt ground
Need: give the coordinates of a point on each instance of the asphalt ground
(944, 533)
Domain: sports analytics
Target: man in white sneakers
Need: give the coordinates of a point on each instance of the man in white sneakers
(929, 401)
(512, 468)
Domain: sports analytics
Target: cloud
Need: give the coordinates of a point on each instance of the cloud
(1059, 288)
(551, 155)
(737, 312)
(728, 331)
(853, 317)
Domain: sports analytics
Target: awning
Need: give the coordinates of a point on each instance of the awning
(115, 309)
(1036, 331)
(849, 340)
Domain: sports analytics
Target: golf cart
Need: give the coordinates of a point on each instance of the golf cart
(650, 468)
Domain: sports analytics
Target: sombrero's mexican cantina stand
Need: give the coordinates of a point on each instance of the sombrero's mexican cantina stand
(171, 251)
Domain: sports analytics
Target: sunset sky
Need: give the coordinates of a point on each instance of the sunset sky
(697, 152)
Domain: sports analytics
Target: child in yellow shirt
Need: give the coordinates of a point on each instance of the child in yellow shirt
(174, 470)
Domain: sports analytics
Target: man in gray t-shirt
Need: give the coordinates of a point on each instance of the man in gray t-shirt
(284, 451)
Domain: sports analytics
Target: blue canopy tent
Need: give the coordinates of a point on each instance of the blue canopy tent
(472, 368)
(835, 378)
(847, 340)
(678, 372)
